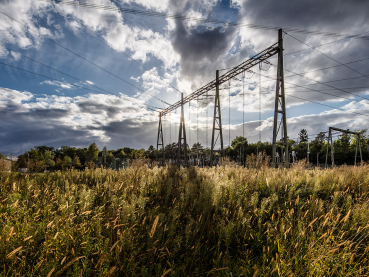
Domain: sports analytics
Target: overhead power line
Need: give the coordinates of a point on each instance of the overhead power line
(75, 78)
(318, 102)
(326, 105)
(70, 51)
(74, 85)
(342, 64)
(117, 49)
(322, 84)
(202, 20)
(317, 46)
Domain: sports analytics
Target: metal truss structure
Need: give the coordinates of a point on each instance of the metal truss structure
(280, 104)
(160, 140)
(280, 109)
(182, 136)
(330, 138)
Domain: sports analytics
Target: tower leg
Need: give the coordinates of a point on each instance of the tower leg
(280, 107)
(217, 123)
(182, 136)
(160, 140)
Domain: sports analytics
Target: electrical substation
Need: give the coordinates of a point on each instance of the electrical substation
(280, 116)
(280, 155)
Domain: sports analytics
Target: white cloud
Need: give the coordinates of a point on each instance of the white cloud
(58, 84)
(15, 55)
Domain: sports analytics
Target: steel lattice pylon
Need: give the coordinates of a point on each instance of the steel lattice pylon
(330, 138)
(280, 103)
(182, 136)
(160, 140)
(217, 122)
(280, 108)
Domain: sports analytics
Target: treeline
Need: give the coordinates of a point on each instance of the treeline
(40, 158)
(43, 157)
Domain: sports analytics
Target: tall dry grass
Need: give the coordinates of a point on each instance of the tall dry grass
(223, 221)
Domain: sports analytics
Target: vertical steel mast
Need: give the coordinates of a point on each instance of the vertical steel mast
(160, 140)
(217, 122)
(280, 106)
(182, 136)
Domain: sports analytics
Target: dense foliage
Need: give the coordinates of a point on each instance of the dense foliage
(40, 158)
(223, 221)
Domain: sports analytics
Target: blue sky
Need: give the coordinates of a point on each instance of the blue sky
(162, 57)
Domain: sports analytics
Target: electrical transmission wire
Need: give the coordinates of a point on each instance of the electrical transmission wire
(321, 83)
(317, 46)
(65, 48)
(327, 105)
(77, 79)
(202, 20)
(325, 85)
(117, 49)
(74, 85)
(328, 68)
(328, 56)
(319, 102)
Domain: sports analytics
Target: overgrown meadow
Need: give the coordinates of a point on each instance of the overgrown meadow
(223, 221)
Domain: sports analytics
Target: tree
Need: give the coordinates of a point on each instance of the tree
(92, 153)
(77, 162)
(2, 156)
(239, 143)
(44, 148)
(49, 158)
(121, 155)
(303, 136)
(67, 161)
(197, 146)
(36, 165)
(109, 157)
(34, 154)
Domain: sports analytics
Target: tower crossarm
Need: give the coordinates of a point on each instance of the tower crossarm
(245, 66)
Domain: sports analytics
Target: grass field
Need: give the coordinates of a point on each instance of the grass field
(224, 221)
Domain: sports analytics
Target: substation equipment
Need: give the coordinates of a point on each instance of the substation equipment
(280, 117)
(330, 138)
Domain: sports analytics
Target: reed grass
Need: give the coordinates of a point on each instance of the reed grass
(223, 221)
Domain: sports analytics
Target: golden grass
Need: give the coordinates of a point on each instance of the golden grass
(186, 222)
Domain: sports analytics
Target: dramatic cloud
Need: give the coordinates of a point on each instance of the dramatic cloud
(161, 55)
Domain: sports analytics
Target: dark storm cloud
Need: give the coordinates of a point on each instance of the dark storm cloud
(200, 48)
(23, 127)
(21, 130)
(132, 131)
(95, 107)
(329, 15)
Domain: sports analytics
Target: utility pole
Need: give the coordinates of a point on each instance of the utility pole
(217, 122)
(317, 159)
(280, 106)
(160, 140)
(182, 136)
(308, 153)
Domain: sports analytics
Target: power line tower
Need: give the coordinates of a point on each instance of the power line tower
(330, 138)
(217, 122)
(182, 136)
(280, 107)
(160, 140)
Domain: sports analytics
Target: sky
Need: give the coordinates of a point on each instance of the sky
(72, 75)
